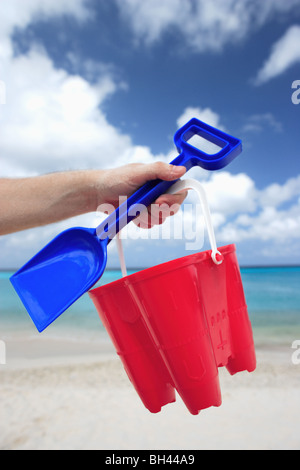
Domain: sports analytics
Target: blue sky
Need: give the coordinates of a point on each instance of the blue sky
(100, 83)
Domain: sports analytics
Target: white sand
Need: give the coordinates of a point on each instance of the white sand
(80, 398)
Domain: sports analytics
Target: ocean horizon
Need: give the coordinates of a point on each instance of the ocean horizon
(272, 295)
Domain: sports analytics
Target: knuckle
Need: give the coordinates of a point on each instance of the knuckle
(159, 166)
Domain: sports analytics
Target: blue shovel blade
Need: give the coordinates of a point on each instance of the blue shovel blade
(59, 274)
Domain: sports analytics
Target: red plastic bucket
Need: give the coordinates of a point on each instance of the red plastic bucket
(174, 324)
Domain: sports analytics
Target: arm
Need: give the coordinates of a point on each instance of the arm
(41, 200)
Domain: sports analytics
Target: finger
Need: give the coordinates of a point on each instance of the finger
(156, 214)
(153, 215)
(165, 206)
(158, 170)
(143, 220)
(171, 199)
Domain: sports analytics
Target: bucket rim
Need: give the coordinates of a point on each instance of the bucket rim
(160, 269)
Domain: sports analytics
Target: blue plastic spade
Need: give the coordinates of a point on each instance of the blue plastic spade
(75, 260)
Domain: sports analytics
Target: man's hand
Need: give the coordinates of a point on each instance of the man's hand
(125, 180)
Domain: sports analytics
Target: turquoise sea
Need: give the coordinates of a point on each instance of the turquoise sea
(272, 294)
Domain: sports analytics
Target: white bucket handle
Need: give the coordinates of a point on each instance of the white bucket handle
(179, 186)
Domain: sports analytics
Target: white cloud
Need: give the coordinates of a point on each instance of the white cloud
(149, 19)
(241, 212)
(53, 121)
(230, 194)
(276, 194)
(284, 54)
(259, 122)
(207, 115)
(205, 25)
(270, 224)
(19, 15)
(16, 14)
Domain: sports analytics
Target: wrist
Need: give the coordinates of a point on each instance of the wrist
(93, 188)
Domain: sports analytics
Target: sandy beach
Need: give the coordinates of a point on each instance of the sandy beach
(57, 395)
